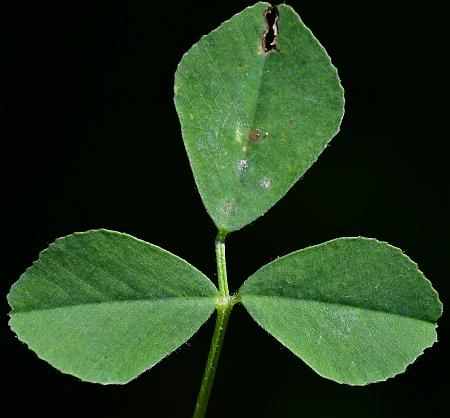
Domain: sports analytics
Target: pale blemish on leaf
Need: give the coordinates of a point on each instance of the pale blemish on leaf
(238, 133)
(242, 165)
(227, 206)
(266, 182)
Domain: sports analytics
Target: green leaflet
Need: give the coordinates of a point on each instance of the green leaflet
(105, 306)
(356, 310)
(254, 122)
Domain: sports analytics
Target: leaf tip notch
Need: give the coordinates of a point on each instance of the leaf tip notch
(270, 35)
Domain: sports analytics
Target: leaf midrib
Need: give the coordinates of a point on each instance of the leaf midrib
(344, 305)
(112, 302)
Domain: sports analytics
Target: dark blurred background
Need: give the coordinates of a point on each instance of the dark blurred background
(90, 138)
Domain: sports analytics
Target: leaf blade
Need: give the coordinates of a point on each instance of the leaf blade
(86, 313)
(253, 123)
(353, 323)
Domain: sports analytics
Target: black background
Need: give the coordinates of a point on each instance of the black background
(90, 138)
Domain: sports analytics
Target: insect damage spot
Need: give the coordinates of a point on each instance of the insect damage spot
(270, 35)
(253, 136)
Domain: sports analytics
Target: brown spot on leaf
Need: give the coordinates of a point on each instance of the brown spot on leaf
(254, 135)
(290, 122)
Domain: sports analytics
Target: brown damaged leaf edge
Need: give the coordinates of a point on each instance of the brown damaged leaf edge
(270, 35)
(269, 43)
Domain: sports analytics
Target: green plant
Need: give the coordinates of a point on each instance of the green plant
(258, 101)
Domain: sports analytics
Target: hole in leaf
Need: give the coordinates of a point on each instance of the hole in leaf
(270, 35)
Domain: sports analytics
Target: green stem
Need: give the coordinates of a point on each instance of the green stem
(221, 264)
(224, 306)
(211, 363)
